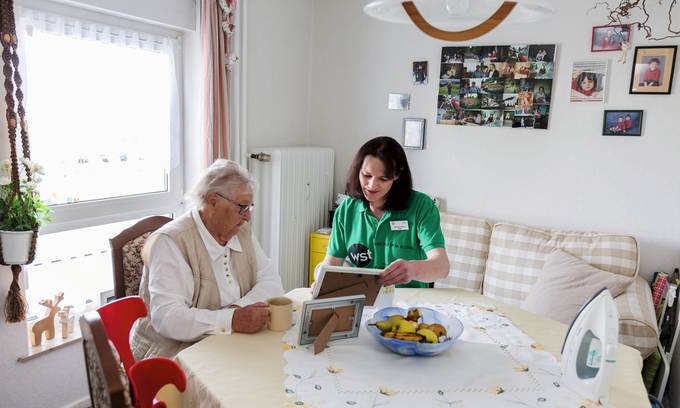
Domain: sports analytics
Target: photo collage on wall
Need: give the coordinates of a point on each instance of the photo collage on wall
(496, 86)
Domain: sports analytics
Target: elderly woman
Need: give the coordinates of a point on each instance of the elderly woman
(204, 271)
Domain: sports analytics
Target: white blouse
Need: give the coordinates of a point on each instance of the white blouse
(171, 287)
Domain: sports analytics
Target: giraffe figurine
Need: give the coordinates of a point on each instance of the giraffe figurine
(46, 324)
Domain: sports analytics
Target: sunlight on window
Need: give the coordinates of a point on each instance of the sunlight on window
(76, 262)
(99, 117)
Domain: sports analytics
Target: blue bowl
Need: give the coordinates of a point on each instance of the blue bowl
(454, 328)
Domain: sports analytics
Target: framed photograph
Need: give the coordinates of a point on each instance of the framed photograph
(588, 81)
(609, 37)
(622, 123)
(398, 101)
(346, 312)
(653, 70)
(414, 133)
(419, 73)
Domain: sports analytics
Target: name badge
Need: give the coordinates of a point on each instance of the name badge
(399, 225)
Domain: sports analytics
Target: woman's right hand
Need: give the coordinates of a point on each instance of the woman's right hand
(251, 318)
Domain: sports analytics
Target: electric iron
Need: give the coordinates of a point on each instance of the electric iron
(589, 349)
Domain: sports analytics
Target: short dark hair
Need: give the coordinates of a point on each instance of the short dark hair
(393, 157)
(587, 75)
(655, 60)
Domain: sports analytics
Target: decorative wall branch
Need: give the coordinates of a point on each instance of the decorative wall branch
(625, 12)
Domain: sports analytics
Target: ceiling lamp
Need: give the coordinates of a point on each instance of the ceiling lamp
(427, 15)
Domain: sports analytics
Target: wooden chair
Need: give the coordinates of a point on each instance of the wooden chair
(105, 379)
(126, 254)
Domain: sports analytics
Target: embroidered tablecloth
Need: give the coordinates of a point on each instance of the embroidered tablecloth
(493, 364)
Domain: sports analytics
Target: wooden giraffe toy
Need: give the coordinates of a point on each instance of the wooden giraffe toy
(46, 324)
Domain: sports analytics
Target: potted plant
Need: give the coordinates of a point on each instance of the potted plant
(20, 214)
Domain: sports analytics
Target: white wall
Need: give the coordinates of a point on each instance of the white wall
(58, 379)
(568, 177)
(277, 66)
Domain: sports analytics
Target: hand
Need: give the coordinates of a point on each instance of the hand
(250, 319)
(399, 271)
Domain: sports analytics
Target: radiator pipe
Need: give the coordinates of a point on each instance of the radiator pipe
(263, 157)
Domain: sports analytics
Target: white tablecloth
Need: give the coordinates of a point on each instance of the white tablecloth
(492, 364)
(248, 370)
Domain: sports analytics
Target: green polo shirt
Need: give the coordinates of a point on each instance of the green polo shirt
(367, 242)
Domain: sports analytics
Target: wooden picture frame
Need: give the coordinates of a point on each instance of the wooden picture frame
(413, 132)
(609, 37)
(653, 68)
(622, 123)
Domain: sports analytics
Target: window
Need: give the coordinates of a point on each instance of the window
(102, 106)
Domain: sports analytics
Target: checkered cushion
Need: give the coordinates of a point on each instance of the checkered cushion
(637, 321)
(467, 246)
(516, 255)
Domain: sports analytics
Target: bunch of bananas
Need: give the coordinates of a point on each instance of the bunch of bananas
(408, 329)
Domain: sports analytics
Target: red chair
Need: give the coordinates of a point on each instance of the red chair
(118, 318)
(148, 376)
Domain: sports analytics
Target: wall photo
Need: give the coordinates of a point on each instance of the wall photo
(419, 73)
(496, 86)
(588, 81)
(653, 70)
(622, 123)
(609, 37)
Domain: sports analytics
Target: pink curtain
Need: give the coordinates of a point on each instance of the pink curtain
(216, 28)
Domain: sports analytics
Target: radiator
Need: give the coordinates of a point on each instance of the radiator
(292, 199)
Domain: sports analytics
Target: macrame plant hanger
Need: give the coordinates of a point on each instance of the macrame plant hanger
(15, 306)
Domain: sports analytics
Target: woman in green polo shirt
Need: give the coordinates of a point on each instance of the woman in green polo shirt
(385, 224)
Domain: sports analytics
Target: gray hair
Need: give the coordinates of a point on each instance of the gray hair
(223, 176)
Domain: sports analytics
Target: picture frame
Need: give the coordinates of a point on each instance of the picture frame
(398, 101)
(610, 37)
(316, 313)
(622, 123)
(589, 81)
(419, 73)
(652, 72)
(413, 130)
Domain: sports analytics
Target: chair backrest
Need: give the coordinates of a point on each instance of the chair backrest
(108, 387)
(118, 318)
(148, 376)
(126, 254)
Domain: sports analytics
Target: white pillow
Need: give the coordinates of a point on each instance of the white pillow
(566, 283)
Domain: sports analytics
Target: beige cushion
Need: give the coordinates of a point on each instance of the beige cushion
(566, 283)
(467, 246)
(517, 253)
(637, 320)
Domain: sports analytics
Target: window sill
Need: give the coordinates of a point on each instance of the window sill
(47, 346)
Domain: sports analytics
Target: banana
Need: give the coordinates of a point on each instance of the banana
(405, 326)
(408, 337)
(389, 334)
(429, 336)
(384, 325)
(423, 326)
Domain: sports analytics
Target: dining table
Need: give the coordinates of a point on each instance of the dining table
(247, 370)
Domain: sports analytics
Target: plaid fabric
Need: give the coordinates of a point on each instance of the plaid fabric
(517, 253)
(467, 247)
(637, 321)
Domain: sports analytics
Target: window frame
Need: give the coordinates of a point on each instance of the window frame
(84, 214)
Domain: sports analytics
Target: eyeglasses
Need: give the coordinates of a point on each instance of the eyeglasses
(242, 208)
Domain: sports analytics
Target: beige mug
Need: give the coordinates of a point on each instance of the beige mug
(280, 313)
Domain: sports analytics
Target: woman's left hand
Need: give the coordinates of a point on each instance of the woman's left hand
(398, 272)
